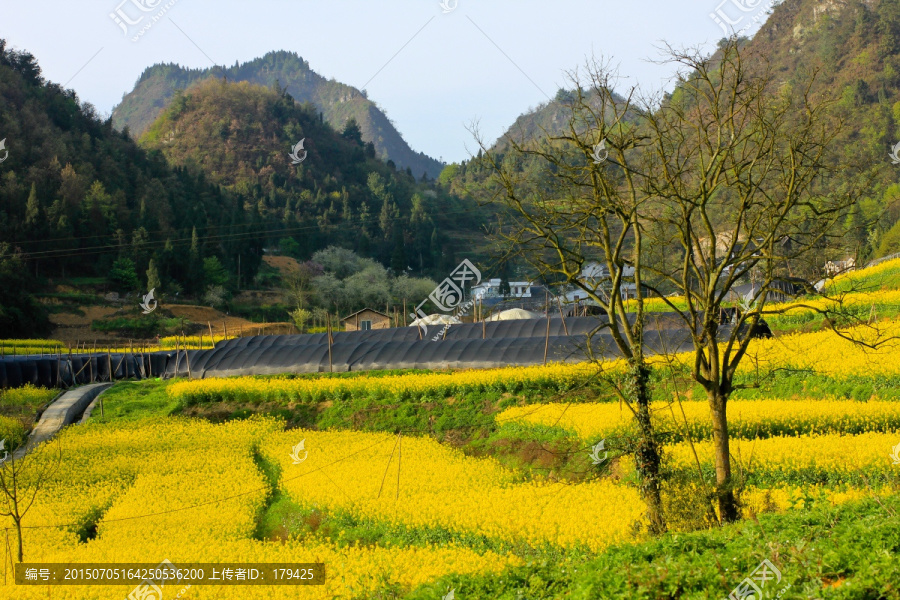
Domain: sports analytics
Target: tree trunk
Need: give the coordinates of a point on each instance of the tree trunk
(19, 531)
(728, 510)
(647, 454)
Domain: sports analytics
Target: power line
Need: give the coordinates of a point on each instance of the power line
(56, 254)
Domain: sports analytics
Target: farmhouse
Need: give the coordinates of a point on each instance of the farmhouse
(366, 320)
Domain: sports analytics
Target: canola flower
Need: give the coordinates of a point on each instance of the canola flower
(882, 276)
(252, 389)
(831, 457)
(28, 395)
(746, 418)
(32, 344)
(420, 483)
(12, 432)
(192, 342)
(190, 491)
(852, 300)
(870, 350)
(784, 497)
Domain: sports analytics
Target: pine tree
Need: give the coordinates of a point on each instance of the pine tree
(32, 209)
(153, 281)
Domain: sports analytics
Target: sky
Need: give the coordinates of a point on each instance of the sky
(435, 70)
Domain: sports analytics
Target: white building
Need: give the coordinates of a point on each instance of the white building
(596, 277)
(491, 289)
(836, 267)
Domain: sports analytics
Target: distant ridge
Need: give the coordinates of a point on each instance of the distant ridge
(338, 102)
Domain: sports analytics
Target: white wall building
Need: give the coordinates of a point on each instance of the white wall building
(491, 289)
(596, 276)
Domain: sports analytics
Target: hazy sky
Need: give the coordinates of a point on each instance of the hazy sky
(488, 60)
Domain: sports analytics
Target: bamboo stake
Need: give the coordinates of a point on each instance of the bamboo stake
(109, 364)
(177, 356)
(330, 341)
(187, 358)
(547, 338)
(225, 327)
(562, 316)
(83, 367)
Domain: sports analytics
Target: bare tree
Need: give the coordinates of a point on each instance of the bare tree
(573, 212)
(730, 182)
(21, 478)
(748, 194)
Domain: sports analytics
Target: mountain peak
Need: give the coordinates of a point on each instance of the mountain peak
(338, 102)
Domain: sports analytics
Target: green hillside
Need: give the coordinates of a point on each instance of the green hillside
(854, 48)
(78, 199)
(239, 135)
(338, 102)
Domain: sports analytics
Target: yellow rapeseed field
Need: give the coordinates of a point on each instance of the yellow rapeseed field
(425, 484)
(837, 302)
(842, 455)
(746, 418)
(870, 350)
(253, 389)
(882, 275)
(144, 477)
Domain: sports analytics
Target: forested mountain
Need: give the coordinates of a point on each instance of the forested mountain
(76, 197)
(853, 48)
(470, 178)
(196, 206)
(239, 135)
(549, 118)
(338, 102)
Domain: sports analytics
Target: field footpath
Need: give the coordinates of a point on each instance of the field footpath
(64, 411)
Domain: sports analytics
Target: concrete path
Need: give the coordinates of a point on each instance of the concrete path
(61, 413)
